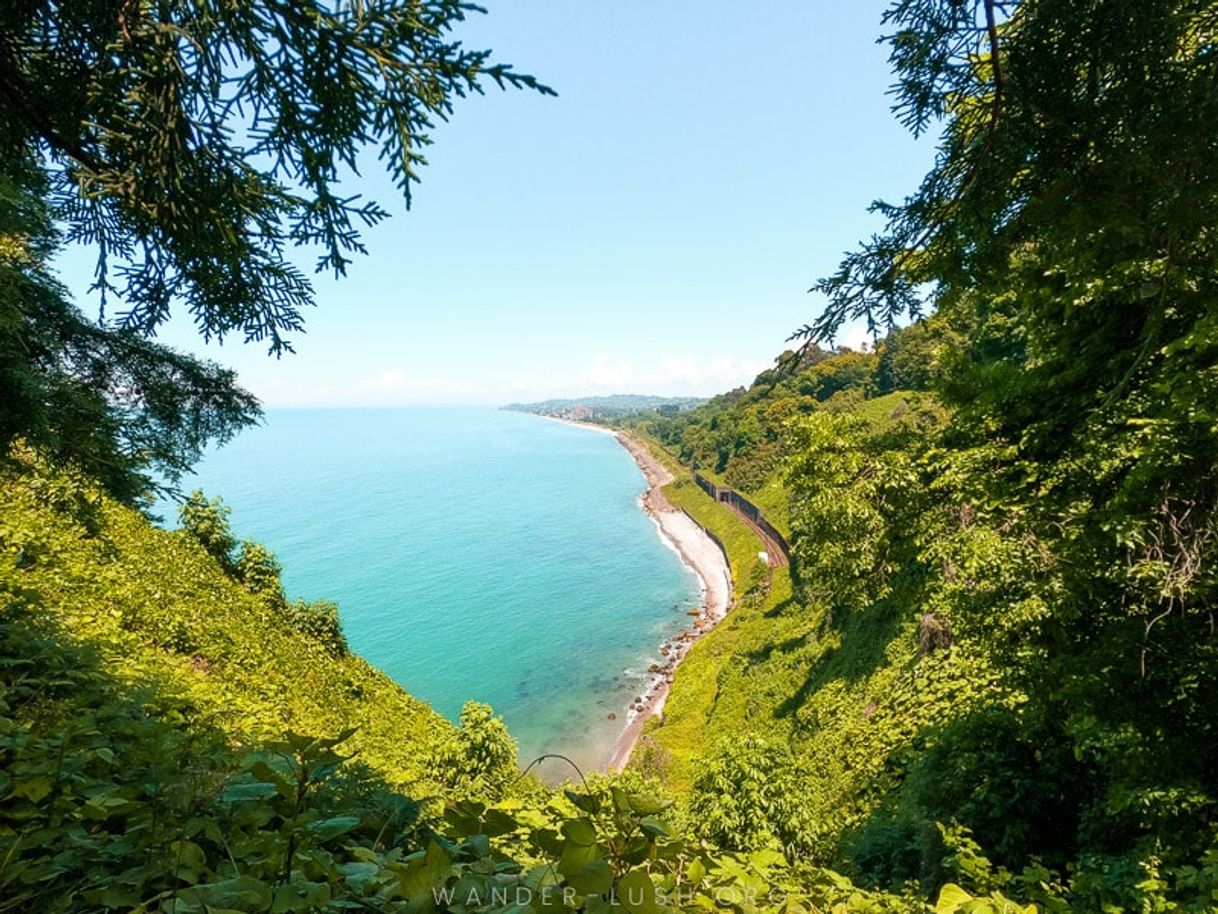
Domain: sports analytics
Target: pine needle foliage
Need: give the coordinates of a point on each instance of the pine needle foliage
(195, 143)
(193, 146)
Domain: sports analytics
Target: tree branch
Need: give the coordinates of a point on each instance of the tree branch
(991, 28)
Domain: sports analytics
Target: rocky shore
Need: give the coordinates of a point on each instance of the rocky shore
(708, 562)
(702, 555)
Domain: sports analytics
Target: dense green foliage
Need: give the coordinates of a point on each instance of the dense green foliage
(257, 569)
(152, 698)
(897, 687)
(153, 757)
(1004, 616)
(156, 608)
(737, 437)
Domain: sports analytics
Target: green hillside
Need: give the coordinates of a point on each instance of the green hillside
(704, 706)
(165, 726)
(171, 740)
(162, 617)
(893, 703)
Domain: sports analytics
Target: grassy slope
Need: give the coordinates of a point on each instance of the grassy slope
(850, 695)
(741, 543)
(164, 618)
(698, 694)
(771, 498)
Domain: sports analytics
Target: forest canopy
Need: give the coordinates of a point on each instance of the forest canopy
(1003, 519)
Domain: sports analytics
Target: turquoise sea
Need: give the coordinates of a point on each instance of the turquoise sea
(474, 554)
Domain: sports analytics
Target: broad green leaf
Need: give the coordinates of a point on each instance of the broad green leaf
(35, 789)
(636, 893)
(425, 871)
(241, 893)
(646, 806)
(696, 871)
(621, 801)
(189, 860)
(496, 822)
(583, 801)
(328, 829)
(654, 827)
(575, 857)
(593, 878)
(581, 831)
(464, 818)
(480, 845)
(235, 793)
(301, 896)
(951, 898)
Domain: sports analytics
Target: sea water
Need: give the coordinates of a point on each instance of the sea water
(475, 554)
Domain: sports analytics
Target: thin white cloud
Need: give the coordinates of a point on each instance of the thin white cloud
(605, 373)
(854, 337)
(609, 373)
(674, 375)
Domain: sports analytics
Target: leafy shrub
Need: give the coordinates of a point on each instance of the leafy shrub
(159, 611)
(481, 758)
(206, 520)
(319, 621)
(260, 571)
(747, 798)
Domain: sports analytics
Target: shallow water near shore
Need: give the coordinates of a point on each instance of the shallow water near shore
(474, 554)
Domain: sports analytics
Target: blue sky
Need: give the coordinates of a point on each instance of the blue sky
(654, 229)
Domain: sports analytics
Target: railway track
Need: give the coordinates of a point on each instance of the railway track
(778, 553)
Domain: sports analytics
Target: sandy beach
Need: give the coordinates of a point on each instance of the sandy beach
(590, 426)
(708, 562)
(701, 554)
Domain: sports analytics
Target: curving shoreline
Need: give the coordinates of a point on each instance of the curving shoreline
(701, 555)
(704, 557)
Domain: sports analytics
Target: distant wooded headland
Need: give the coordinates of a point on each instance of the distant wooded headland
(602, 409)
